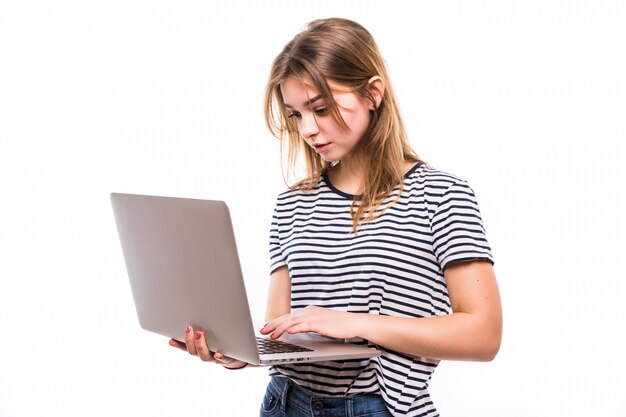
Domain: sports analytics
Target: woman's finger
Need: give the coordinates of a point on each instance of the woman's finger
(271, 325)
(298, 328)
(228, 362)
(180, 345)
(224, 360)
(289, 322)
(201, 347)
(189, 341)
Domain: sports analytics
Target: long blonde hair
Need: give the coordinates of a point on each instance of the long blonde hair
(344, 52)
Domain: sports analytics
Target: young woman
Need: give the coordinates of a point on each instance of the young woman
(374, 245)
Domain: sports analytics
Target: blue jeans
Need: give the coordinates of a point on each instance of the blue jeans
(286, 399)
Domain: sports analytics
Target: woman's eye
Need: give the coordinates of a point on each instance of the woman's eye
(293, 114)
(323, 111)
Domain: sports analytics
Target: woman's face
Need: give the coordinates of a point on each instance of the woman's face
(315, 123)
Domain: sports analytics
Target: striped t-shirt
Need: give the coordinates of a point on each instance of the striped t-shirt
(393, 266)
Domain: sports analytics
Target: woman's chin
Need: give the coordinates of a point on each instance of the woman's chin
(331, 159)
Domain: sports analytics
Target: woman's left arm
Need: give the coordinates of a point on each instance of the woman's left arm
(471, 332)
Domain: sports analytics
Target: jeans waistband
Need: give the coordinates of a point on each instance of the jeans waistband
(318, 405)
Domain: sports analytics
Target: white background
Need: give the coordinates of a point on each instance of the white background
(525, 100)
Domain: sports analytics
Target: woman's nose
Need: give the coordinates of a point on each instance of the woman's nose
(308, 126)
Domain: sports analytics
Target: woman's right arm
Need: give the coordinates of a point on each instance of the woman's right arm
(279, 294)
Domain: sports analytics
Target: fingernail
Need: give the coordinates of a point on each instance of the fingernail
(198, 335)
(219, 356)
(187, 329)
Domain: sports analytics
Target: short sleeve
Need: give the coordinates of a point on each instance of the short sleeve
(457, 227)
(276, 254)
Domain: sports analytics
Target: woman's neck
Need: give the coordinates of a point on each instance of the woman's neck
(346, 178)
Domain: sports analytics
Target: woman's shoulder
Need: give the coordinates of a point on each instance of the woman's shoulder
(427, 175)
(304, 189)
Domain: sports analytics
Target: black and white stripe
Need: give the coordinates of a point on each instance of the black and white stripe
(392, 266)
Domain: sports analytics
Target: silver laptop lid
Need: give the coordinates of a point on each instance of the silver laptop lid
(172, 248)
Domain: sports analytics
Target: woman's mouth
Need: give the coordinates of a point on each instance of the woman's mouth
(321, 148)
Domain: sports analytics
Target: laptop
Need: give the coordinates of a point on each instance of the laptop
(183, 267)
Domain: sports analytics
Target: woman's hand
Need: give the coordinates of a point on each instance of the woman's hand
(196, 345)
(324, 321)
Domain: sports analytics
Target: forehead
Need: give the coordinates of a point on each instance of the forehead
(297, 92)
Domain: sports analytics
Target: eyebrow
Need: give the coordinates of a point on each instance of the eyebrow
(306, 103)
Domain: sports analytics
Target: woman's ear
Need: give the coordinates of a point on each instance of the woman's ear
(376, 86)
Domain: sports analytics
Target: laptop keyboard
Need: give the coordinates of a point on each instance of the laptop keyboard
(276, 346)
